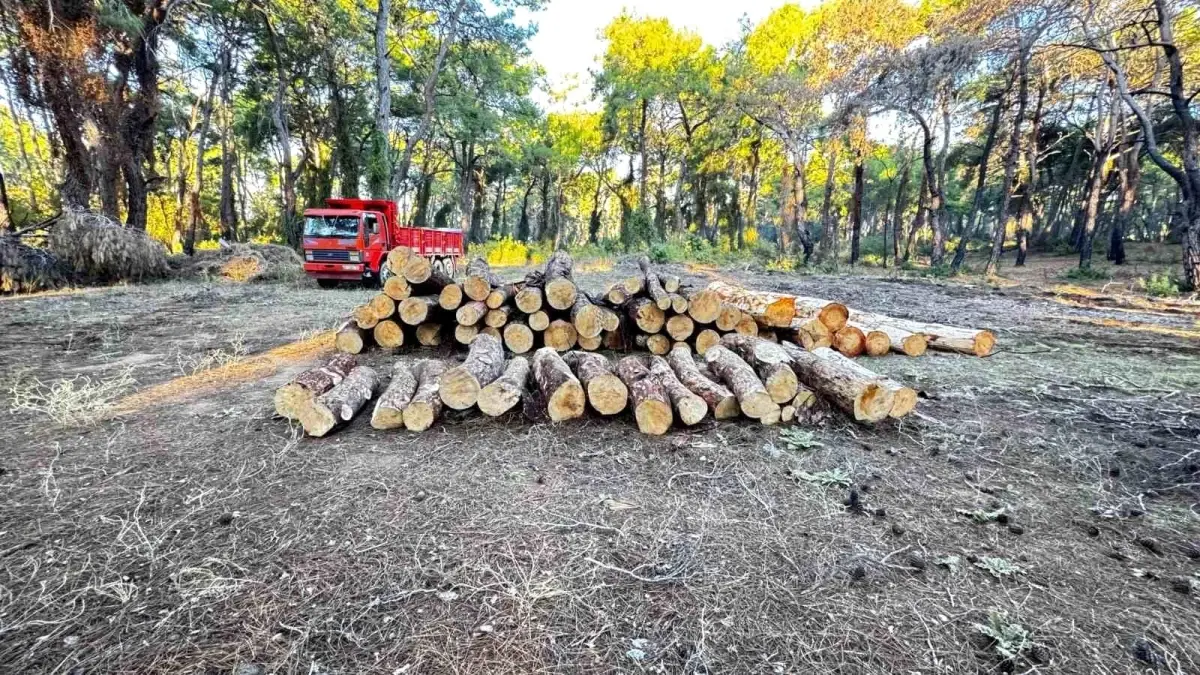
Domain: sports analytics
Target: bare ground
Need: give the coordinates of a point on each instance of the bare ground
(199, 535)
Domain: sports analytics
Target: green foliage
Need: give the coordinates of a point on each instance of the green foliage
(1160, 285)
(799, 439)
(1010, 640)
(1089, 273)
(999, 567)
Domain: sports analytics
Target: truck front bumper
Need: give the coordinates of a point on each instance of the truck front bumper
(340, 271)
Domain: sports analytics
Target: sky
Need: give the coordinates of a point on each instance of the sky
(568, 40)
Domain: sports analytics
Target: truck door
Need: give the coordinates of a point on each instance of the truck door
(375, 240)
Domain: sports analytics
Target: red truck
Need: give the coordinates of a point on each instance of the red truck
(349, 240)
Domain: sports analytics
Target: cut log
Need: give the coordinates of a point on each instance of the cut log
(770, 361)
(721, 401)
(850, 341)
(518, 337)
(417, 269)
(768, 335)
(772, 418)
(752, 396)
(840, 381)
(497, 318)
(648, 317)
(653, 286)
(587, 316)
(616, 295)
(417, 309)
(460, 386)
(429, 334)
(434, 284)
(308, 385)
(670, 282)
(389, 409)
(805, 398)
(704, 306)
(539, 321)
(813, 334)
(451, 297)
(559, 388)
(382, 306)
(340, 404)
(903, 399)
(688, 405)
(426, 403)
(351, 339)
(559, 287)
(465, 335)
(706, 339)
(388, 334)
(679, 304)
(471, 313)
(877, 342)
(633, 285)
(500, 295)
(680, 327)
(658, 344)
(396, 259)
(747, 325)
(729, 317)
(529, 298)
(590, 344)
(787, 414)
(651, 405)
(607, 394)
(493, 331)
(364, 316)
(899, 340)
(561, 335)
(832, 314)
(771, 309)
(610, 319)
(505, 392)
(397, 288)
(479, 280)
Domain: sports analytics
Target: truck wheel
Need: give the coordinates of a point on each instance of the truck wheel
(327, 283)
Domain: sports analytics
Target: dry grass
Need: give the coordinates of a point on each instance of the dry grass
(194, 533)
(81, 400)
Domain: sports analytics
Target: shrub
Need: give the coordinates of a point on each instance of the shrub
(1160, 285)
(1088, 273)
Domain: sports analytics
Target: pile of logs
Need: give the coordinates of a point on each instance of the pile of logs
(722, 351)
(648, 312)
(741, 375)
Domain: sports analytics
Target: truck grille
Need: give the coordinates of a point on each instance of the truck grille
(330, 256)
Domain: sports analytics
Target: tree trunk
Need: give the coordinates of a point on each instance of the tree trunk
(389, 408)
(228, 206)
(980, 184)
(721, 402)
(651, 405)
(901, 206)
(196, 220)
(1010, 161)
(856, 205)
(426, 404)
(829, 234)
(769, 361)
(787, 208)
(305, 387)
(836, 378)
(690, 407)
(380, 171)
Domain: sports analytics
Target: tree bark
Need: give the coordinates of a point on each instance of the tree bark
(721, 402)
(741, 379)
(769, 361)
(1010, 159)
(459, 387)
(836, 379)
(426, 404)
(389, 408)
(689, 406)
(651, 405)
(305, 387)
(340, 404)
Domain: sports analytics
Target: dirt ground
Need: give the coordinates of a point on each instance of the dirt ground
(1053, 488)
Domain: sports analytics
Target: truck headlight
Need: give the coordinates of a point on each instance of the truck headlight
(355, 256)
(308, 255)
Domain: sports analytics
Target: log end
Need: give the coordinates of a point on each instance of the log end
(290, 399)
(692, 410)
(349, 342)
(476, 288)
(759, 403)
(915, 345)
(727, 408)
(877, 343)
(653, 417)
(567, 402)
(388, 334)
(498, 398)
(707, 338)
(834, 315)
(704, 306)
(781, 384)
(850, 341)
(458, 388)
(985, 342)
(607, 394)
(451, 297)
(419, 416)
(779, 314)
(518, 338)
(561, 293)
(317, 420)
(387, 418)
(529, 299)
(904, 401)
(873, 403)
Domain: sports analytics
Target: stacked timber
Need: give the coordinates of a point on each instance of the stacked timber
(536, 345)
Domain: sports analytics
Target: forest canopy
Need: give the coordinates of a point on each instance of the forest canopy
(861, 132)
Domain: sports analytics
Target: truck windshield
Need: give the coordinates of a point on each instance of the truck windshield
(331, 226)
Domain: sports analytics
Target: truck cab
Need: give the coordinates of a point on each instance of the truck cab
(349, 239)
